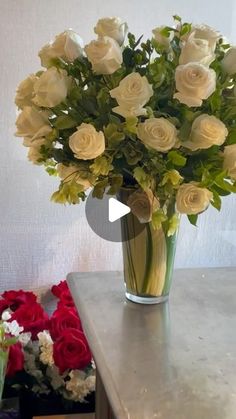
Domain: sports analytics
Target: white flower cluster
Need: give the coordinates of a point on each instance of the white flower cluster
(79, 385)
(45, 348)
(11, 327)
(72, 384)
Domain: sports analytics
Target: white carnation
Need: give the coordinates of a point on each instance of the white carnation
(13, 328)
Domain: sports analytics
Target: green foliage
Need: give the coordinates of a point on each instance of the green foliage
(158, 217)
(143, 178)
(101, 166)
(177, 158)
(114, 135)
(70, 192)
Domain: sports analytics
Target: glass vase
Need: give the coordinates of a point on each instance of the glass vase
(3, 368)
(148, 260)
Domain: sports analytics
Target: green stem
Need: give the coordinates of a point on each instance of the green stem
(3, 367)
(149, 256)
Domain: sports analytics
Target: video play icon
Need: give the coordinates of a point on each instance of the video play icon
(105, 216)
(116, 210)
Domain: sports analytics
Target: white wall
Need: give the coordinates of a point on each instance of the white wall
(40, 241)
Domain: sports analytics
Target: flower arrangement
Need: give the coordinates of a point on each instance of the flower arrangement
(158, 115)
(52, 355)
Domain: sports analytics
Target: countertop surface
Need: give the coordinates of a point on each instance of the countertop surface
(175, 360)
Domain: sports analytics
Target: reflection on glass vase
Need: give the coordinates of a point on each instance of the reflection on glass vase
(3, 368)
(148, 259)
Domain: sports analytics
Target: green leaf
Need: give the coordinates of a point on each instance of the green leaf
(128, 57)
(65, 122)
(177, 158)
(178, 18)
(51, 171)
(184, 131)
(132, 154)
(142, 178)
(220, 191)
(216, 202)
(70, 192)
(131, 124)
(186, 28)
(116, 182)
(225, 184)
(173, 225)
(193, 219)
(101, 166)
(10, 341)
(131, 39)
(158, 217)
(113, 135)
(231, 139)
(99, 188)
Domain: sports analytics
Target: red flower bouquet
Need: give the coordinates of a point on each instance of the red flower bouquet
(53, 355)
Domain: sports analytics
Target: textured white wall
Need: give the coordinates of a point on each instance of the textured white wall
(40, 241)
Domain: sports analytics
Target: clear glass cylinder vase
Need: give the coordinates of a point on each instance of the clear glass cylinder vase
(3, 369)
(148, 260)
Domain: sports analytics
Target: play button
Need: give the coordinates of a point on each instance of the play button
(116, 210)
(106, 215)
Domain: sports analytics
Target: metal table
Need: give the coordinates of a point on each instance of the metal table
(170, 361)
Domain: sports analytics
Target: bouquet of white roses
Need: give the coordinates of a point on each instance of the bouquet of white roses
(157, 115)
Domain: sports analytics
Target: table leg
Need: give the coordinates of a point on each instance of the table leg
(103, 408)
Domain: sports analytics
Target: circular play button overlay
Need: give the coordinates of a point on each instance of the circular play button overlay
(104, 217)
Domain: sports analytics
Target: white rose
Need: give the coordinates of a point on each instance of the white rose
(34, 155)
(32, 123)
(191, 199)
(132, 94)
(230, 160)
(158, 133)
(67, 45)
(87, 143)
(229, 61)
(196, 50)
(143, 204)
(112, 27)
(34, 142)
(206, 33)
(105, 55)
(25, 91)
(206, 131)
(72, 172)
(194, 83)
(161, 39)
(51, 88)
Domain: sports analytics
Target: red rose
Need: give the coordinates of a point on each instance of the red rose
(32, 318)
(3, 306)
(15, 299)
(62, 292)
(63, 318)
(57, 290)
(71, 350)
(15, 359)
